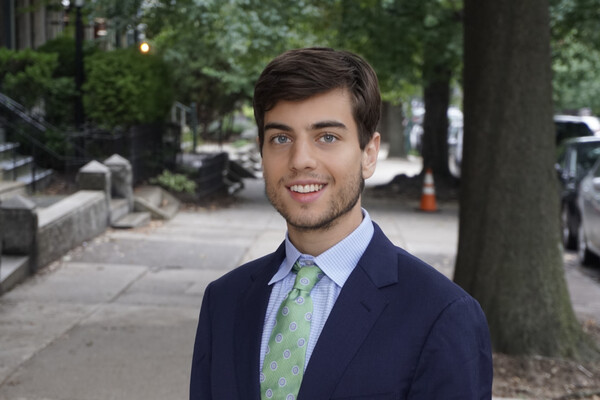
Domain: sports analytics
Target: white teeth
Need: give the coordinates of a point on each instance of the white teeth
(306, 188)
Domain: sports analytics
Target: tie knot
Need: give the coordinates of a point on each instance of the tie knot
(307, 276)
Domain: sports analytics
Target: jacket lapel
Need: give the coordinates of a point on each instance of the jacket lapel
(356, 310)
(249, 323)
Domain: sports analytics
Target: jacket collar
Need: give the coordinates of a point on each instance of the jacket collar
(352, 318)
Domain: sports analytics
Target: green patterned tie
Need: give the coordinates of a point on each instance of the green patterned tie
(283, 367)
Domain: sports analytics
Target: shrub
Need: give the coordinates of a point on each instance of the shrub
(178, 183)
(125, 87)
(26, 76)
(59, 102)
(64, 47)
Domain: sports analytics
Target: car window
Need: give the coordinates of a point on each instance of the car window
(567, 129)
(596, 170)
(586, 158)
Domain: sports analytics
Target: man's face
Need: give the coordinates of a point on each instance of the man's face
(313, 166)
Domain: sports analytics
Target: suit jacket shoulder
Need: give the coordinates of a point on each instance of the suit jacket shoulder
(402, 330)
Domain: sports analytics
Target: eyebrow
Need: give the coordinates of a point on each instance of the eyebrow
(277, 126)
(327, 124)
(315, 126)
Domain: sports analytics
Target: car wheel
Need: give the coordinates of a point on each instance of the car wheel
(586, 257)
(569, 237)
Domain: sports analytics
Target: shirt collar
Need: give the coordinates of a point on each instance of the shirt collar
(337, 262)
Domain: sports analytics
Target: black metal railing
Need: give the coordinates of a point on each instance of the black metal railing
(27, 129)
(149, 147)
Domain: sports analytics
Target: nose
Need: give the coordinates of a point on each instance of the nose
(302, 156)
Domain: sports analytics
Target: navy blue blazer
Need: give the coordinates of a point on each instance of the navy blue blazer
(399, 330)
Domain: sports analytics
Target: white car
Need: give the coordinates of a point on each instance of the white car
(570, 126)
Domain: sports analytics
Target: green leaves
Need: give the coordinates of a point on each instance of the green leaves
(178, 183)
(217, 49)
(26, 76)
(575, 28)
(398, 37)
(124, 87)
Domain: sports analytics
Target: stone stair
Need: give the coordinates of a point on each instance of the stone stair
(21, 168)
(15, 165)
(122, 218)
(119, 208)
(132, 220)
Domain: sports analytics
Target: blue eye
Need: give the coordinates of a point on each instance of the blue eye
(280, 139)
(328, 138)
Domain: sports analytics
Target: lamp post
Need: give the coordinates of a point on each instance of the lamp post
(79, 75)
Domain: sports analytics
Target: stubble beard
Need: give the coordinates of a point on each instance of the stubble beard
(339, 205)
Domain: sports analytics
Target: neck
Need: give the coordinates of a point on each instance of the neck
(316, 241)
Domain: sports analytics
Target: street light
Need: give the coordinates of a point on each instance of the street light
(144, 47)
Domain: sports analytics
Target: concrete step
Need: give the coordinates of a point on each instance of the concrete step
(157, 201)
(42, 178)
(132, 220)
(7, 150)
(118, 209)
(13, 270)
(10, 189)
(17, 167)
(20, 165)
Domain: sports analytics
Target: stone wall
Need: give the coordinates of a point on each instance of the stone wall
(70, 222)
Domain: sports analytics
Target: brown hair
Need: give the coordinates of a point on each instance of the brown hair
(299, 74)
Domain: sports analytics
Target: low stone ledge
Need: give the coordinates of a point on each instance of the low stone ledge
(70, 222)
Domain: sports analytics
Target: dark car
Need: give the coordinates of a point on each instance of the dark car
(576, 157)
(588, 243)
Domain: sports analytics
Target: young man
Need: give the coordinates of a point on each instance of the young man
(337, 312)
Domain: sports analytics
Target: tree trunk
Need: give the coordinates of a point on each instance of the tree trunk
(435, 122)
(392, 129)
(509, 252)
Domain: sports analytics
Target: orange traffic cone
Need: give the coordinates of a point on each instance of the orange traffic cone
(428, 196)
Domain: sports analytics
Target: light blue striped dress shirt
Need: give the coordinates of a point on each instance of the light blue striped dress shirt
(337, 263)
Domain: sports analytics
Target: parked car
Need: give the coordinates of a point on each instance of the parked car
(588, 238)
(415, 128)
(567, 127)
(455, 146)
(570, 126)
(576, 157)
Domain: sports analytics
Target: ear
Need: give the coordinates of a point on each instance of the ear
(369, 156)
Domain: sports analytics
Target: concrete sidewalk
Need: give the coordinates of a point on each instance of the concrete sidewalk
(116, 318)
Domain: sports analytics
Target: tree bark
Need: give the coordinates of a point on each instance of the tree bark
(435, 122)
(392, 129)
(509, 252)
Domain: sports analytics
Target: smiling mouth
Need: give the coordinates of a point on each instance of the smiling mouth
(306, 188)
